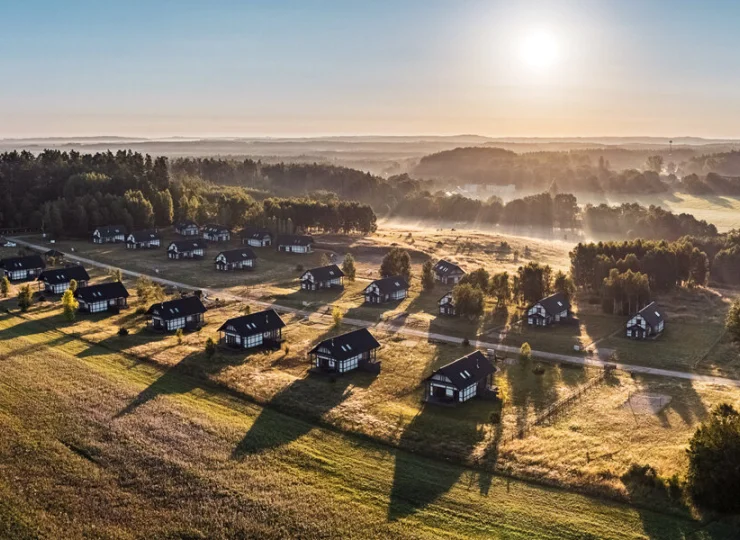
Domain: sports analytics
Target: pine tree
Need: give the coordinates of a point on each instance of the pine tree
(24, 297)
(427, 276)
(348, 267)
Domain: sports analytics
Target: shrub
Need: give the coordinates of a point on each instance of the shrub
(4, 286)
(123, 332)
(25, 298)
(210, 347)
(337, 315)
(178, 334)
(69, 304)
(466, 342)
(287, 348)
(539, 369)
(525, 351)
(495, 417)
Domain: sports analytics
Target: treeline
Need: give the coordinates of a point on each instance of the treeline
(572, 171)
(637, 221)
(723, 253)
(71, 194)
(625, 273)
(711, 184)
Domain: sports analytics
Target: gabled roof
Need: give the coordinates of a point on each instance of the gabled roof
(53, 253)
(111, 230)
(215, 228)
(325, 273)
(254, 323)
(444, 267)
(22, 263)
(294, 240)
(256, 233)
(445, 296)
(466, 370)
(390, 284)
(63, 275)
(652, 314)
(188, 245)
(182, 307)
(348, 345)
(555, 303)
(185, 223)
(144, 236)
(102, 292)
(236, 255)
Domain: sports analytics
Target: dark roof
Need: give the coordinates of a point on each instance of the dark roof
(236, 255)
(185, 223)
(189, 245)
(446, 267)
(652, 314)
(466, 370)
(182, 307)
(101, 292)
(255, 323)
(111, 230)
(445, 295)
(215, 228)
(390, 284)
(53, 253)
(63, 275)
(144, 236)
(257, 233)
(325, 273)
(555, 303)
(348, 345)
(22, 263)
(294, 239)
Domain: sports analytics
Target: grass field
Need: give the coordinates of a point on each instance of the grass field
(87, 451)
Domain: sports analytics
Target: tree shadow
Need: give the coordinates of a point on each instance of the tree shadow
(685, 400)
(489, 458)
(309, 299)
(419, 481)
(116, 342)
(273, 429)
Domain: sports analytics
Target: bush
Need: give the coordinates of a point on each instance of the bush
(210, 347)
(287, 348)
(495, 417)
(539, 369)
(178, 334)
(123, 332)
(337, 315)
(525, 351)
(466, 342)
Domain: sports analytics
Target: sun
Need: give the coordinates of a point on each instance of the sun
(539, 49)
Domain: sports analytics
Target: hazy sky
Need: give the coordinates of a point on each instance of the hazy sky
(311, 67)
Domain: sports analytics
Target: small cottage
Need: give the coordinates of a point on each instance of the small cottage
(236, 259)
(446, 305)
(186, 312)
(102, 297)
(109, 234)
(57, 281)
(447, 273)
(187, 227)
(648, 322)
(461, 380)
(216, 233)
(264, 328)
(324, 277)
(143, 239)
(256, 237)
(22, 268)
(187, 249)
(390, 289)
(553, 309)
(294, 243)
(345, 353)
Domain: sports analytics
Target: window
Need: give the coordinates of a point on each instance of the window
(468, 392)
(350, 363)
(253, 341)
(176, 323)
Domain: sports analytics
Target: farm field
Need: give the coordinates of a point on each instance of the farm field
(195, 461)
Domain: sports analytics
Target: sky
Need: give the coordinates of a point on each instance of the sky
(565, 68)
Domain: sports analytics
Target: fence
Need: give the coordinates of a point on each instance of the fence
(562, 404)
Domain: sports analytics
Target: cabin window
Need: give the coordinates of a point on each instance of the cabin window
(254, 341)
(176, 323)
(350, 363)
(468, 392)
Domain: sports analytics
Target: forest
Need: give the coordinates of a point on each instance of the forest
(69, 194)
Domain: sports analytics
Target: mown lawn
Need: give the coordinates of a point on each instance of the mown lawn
(96, 444)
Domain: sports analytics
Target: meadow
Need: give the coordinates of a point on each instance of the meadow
(81, 425)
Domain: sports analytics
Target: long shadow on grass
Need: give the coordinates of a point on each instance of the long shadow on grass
(309, 398)
(419, 481)
(183, 377)
(315, 300)
(123, 343)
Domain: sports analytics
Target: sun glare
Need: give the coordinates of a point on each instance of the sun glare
(539, 50)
